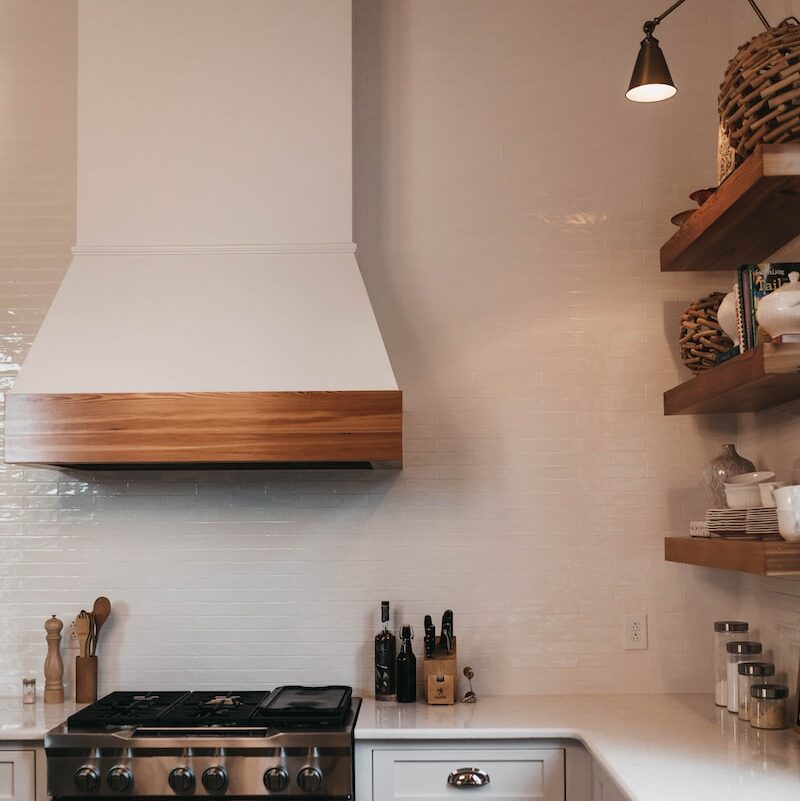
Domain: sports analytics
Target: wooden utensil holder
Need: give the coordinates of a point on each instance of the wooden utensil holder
(85, 679)
(439, 676)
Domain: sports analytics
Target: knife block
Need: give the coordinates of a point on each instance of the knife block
(439, 675)
(85, 679)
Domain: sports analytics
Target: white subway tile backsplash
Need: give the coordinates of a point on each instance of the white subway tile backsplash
(512, 261)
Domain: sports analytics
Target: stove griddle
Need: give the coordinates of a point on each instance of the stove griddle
(309, 706)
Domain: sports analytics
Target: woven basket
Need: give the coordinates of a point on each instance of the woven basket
(702, 341)
(759, 100)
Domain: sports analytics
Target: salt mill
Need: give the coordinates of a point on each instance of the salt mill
(53, 666)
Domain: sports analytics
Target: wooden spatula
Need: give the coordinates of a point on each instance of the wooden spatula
(83, 629)
(101, 612)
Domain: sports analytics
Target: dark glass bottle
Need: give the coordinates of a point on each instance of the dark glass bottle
(385, 660)
(406, 668)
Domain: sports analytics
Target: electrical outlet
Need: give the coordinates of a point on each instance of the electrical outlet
(636, 632)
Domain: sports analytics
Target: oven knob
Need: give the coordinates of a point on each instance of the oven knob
(119, 778)
(310, 780)
(181, 780)
(86, 779)
(215, 779)
(276, 780)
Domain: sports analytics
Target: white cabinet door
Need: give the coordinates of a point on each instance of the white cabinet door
(420, 774)
(17, 776)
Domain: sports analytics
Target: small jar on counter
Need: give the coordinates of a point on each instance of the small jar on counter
(725, 631)
(29, 691)
(738, 651)
(769, 706)
(751, 673)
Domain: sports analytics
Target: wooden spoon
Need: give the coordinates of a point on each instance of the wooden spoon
(101, 611)
(83, 629)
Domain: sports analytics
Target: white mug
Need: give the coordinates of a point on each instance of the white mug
(788, 502)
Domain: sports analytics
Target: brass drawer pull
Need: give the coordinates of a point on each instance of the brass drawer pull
(468, 777)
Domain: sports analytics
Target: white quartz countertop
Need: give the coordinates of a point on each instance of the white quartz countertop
(655, 747)
(31, 722)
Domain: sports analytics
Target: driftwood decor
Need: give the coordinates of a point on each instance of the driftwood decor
(759, 100)
(702, 340)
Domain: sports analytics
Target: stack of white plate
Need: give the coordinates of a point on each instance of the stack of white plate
(763, 522)
(727, 522)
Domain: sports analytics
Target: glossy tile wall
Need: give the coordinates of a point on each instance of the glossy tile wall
(509, 208)
(772, 605)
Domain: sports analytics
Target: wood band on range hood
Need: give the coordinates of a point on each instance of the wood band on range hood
(204, 427)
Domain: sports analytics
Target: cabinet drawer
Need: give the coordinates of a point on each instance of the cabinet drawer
(17, 775)
(518, 774)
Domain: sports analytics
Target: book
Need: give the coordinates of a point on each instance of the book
(740, 313)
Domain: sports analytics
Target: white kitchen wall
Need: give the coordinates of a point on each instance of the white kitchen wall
(509, 207)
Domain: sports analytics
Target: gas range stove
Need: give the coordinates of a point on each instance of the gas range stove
(294, 743)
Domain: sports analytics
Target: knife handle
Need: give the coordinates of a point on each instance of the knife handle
(430, 637)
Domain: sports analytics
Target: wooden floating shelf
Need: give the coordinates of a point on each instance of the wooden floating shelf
(762, 557)
(754, 213)
(757, 379)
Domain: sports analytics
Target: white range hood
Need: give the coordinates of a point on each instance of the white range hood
(214, 310)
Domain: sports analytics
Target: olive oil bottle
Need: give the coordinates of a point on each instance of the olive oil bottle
(385, 659)
(406, 668)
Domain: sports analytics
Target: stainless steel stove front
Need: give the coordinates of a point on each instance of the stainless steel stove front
(149, 764)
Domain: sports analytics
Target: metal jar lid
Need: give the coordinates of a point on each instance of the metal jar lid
(756, 669)
(771, 691)
(731, 625)
(743, 647)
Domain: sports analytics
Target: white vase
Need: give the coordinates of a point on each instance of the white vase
(778, 312)
(726, 316)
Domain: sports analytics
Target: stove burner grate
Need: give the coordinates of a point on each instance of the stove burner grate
(123, 709)
(225, 708)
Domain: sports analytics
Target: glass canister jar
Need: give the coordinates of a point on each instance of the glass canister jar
(725, 631)
(738, 651)
(29, 691)
(769, 706)
(751, 673)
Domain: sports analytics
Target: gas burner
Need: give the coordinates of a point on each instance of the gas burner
(123, 709)
(225, 708)
(223, 700)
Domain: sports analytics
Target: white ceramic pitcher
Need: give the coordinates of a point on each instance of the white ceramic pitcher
(788, 502)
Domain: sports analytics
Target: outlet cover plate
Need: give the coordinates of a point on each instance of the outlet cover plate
(636, 632)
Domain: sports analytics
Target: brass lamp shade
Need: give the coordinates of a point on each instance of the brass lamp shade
(651, 80)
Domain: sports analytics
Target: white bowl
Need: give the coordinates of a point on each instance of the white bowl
(751, 478)
(767, 498)
(745, 496)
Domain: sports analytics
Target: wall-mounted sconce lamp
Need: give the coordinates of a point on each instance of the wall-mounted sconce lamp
(651, 80)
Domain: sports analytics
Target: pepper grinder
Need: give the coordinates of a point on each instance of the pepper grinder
(53, 665)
